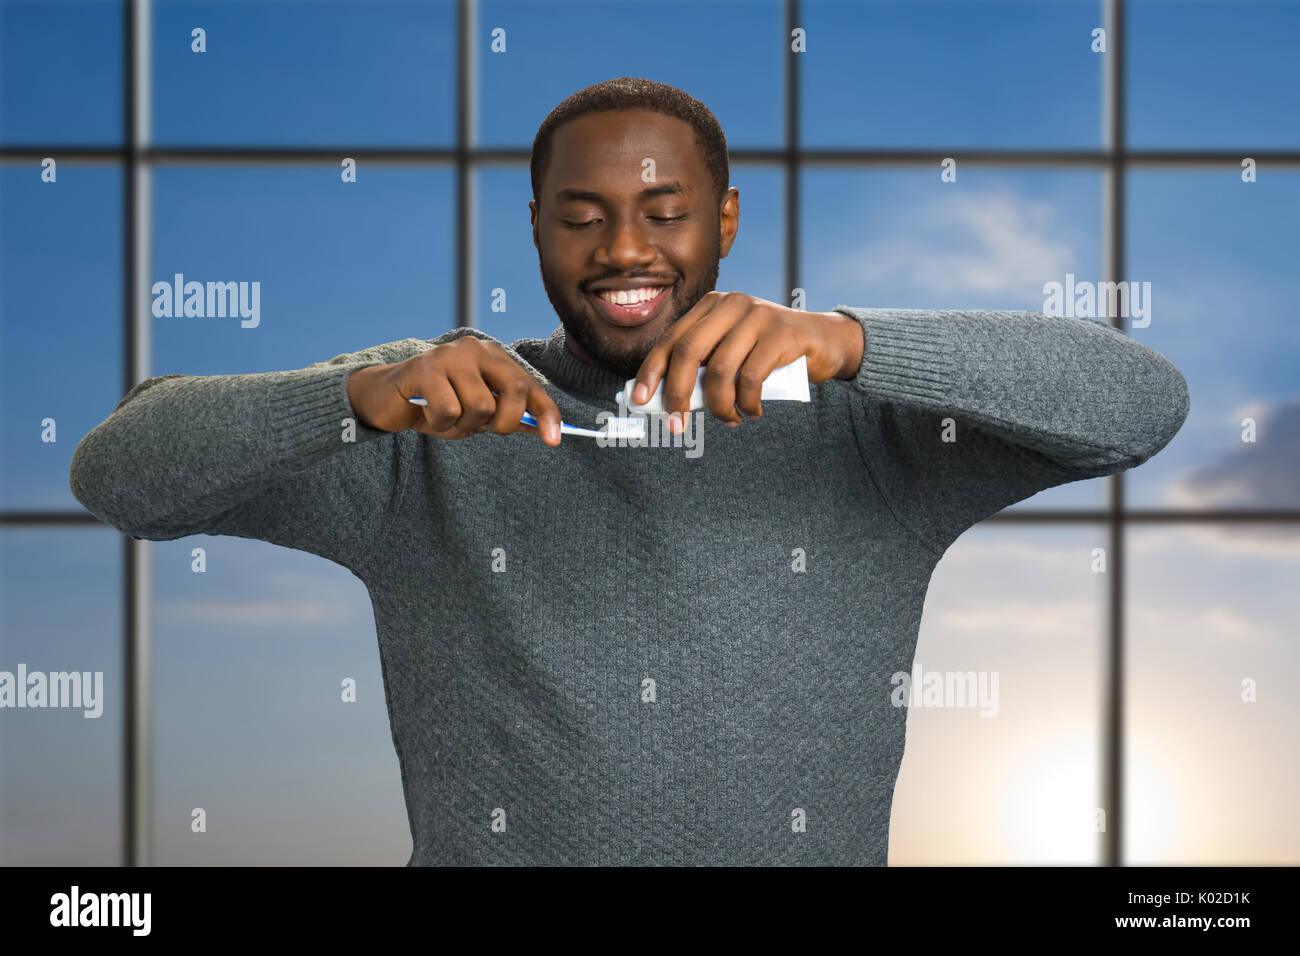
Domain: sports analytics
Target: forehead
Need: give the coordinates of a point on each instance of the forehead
(609, 149)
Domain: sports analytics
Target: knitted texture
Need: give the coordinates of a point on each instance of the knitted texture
(647, 655)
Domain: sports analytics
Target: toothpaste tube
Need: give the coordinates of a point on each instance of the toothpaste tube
(787, 383)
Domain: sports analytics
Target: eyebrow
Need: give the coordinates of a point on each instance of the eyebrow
(673, 188)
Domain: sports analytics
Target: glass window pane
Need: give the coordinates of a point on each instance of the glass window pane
(1216, 74)
(249, 720)
(1220, 256)
(508, 261)
(61, 789)
(509, 301)
(756, 264)
(305, 73)
(339, 267)
(60, 323)
(61, 77)
(728, 54)
(1010, 73)
(990, 240)
(1212, 679)
(1021, 786)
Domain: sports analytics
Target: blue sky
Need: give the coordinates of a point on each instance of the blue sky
(248, 656)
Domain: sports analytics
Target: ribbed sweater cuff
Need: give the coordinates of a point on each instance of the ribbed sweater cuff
(307, 408)
(907, 355)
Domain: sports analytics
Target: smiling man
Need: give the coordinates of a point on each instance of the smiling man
(594, 218)
(631, 213)
(600, 655)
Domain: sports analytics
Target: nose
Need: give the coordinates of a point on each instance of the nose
(627, 245)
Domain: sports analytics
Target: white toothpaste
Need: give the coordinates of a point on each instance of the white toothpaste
(787, 383)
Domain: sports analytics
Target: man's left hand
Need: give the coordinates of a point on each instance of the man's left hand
(740, 340)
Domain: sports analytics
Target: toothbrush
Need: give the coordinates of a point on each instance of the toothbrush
(617, 427)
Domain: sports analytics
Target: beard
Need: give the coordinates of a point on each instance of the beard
(620, 357)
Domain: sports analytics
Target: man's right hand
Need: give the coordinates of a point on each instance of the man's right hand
(471, 386)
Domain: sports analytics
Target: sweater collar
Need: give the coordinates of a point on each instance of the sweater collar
(567, 370)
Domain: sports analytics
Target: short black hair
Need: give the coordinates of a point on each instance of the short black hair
(636, 93)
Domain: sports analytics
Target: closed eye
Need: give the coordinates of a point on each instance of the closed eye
(592, 222)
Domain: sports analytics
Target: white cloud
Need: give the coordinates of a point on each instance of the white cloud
(1222, 622)
(1020, 619)
(1186, 580)
(995, 243)
(1279, 542)
(1162, 623)
(1261, 474)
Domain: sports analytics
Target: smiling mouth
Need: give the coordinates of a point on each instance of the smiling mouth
(629, 307)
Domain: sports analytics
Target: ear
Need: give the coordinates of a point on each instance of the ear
(728, 221)
(532, 217)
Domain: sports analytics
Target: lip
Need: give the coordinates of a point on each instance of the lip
(631, 315)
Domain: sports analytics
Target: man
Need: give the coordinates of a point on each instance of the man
(605, 655)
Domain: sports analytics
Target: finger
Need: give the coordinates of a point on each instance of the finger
(724, 364)
(767, 355)
(443, 406)
(693, 349)
(655, 363)
(476, 399)
(511, 386)
(546, 412)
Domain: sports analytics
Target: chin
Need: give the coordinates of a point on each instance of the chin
(624, 359)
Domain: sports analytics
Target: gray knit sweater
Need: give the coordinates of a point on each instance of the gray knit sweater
(647, 655)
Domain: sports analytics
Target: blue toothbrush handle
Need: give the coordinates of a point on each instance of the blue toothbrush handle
(617, 428)
(565, 427)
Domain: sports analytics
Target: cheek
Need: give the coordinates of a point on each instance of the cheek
(691, 252)
(561, 245)
(561, 264)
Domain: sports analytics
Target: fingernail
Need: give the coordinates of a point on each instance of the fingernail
(732, 424)
(639, 394)
(675, 423)
(553, 431)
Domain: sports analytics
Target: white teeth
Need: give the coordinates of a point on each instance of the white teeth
(629, 296)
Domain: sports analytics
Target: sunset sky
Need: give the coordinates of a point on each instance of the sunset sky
(248, 656)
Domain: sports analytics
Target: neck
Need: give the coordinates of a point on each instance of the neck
(576, 350)
(567, 365)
